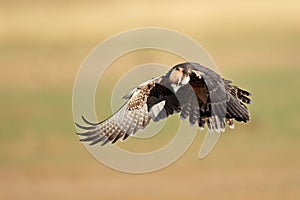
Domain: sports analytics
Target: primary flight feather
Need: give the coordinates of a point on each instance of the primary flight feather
(196, 92)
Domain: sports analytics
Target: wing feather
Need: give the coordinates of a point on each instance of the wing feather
(189, 104)
(134, 115)
(224, 101)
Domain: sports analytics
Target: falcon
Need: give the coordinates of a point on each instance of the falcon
(191, 90)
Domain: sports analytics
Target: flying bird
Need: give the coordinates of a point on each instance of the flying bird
(195, 92)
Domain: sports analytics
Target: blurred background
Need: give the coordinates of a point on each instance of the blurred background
(43, 43)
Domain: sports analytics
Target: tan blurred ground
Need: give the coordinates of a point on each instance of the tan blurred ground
(42, 44)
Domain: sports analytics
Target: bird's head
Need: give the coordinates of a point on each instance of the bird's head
(179, 76)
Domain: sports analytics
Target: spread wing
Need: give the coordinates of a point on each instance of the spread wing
(207, 99)
(150, 100)
(212, 100)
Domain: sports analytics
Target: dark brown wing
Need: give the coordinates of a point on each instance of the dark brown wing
(236, 108)
(219, 102)
(162, 93)
(150, 100)
(189, 104)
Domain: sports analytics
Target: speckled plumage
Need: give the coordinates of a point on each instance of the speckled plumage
(194, 91)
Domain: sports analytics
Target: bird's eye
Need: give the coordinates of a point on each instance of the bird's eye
(177, 69)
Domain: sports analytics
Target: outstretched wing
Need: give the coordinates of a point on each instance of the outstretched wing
(219, 102)
(150, 100)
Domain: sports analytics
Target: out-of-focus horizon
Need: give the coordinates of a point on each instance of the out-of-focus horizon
(42, 44)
